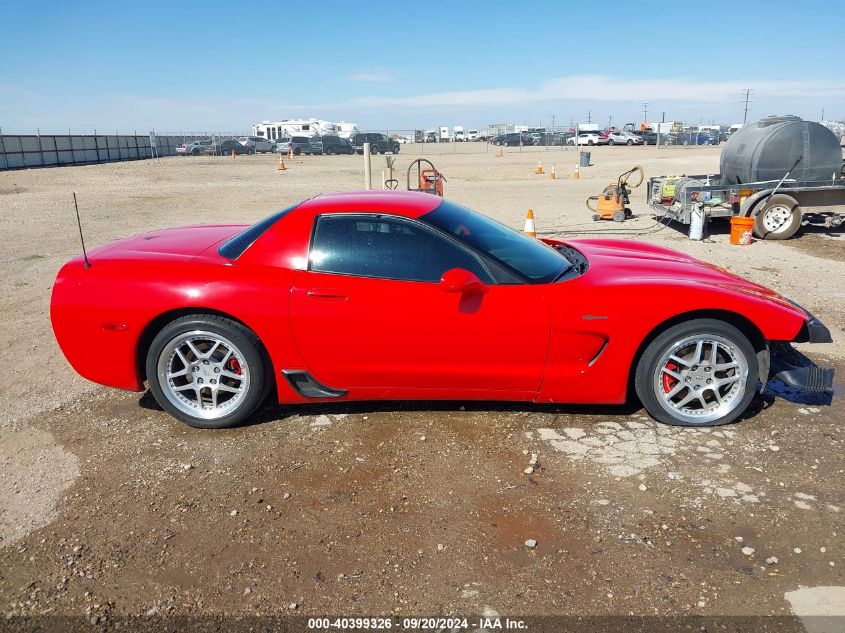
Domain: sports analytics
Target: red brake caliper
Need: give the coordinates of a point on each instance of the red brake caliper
(235, 366)
(668, 381)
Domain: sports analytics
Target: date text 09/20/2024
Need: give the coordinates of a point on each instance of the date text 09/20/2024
(419, 623)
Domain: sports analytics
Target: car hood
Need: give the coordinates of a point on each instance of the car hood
(184, 242)
(626, 261)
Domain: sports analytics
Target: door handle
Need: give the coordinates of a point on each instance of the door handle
(326, 293)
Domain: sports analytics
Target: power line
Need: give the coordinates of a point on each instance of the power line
(645, 113)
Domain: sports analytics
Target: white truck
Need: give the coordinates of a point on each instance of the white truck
(472, 135)
(459, 135)
(445, 136)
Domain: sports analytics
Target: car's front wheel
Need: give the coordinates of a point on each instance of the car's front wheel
(207, 371)
(701, 372)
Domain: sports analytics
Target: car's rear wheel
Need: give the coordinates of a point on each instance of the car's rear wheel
(207, 371)
(611, 142)
(630, 142)
(373, 149)
(698, 373)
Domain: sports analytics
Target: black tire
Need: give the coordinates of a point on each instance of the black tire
(782, 202)
(395, 149)
(195, 152)
(644, 377)
(374, 149)
(250, 348)
(611, 142)
(590, 142)
(630, 142)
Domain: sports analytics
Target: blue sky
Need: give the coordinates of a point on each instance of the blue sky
(220, 66)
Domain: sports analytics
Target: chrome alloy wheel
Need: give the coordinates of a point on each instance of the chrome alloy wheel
(777, 218)
(203, 374)
(700, 378)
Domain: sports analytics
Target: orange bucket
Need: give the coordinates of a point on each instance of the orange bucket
(741, 230)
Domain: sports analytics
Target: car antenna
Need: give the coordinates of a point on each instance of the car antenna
(81, 239)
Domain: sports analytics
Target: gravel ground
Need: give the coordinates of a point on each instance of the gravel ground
(108, 507)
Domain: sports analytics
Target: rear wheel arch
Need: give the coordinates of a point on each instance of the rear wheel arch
(158, 323)
(740, 322)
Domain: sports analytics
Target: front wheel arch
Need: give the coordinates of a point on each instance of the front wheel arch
(740, 322)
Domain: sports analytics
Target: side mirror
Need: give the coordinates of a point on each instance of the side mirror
(463, 281)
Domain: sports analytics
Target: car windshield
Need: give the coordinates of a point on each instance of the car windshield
(531, 258)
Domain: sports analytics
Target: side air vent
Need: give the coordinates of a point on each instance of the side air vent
(305, 385)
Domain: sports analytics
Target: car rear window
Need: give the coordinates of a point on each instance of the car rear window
(301, 139)
(236, 245)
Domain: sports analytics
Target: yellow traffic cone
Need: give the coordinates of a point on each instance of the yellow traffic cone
(539, 167)
(530, 230)
(553, 174)
(576, 175)
(281, 164)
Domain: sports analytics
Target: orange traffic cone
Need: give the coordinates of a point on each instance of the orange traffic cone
(530, 230)
(290, 154)
(553, 173)
(576, 175)
(281, 164)
(539, 167)
(501, 153)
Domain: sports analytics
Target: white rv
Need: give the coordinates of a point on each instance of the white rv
(346, 130)
(272, 130)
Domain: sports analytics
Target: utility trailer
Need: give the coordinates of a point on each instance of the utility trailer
(777, 206)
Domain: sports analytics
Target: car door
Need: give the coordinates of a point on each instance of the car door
(370, 312)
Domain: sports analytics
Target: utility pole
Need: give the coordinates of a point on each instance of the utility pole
(553, 123)
(645, 113)
(747, 97)
(609, 122)
(589, 113)
(822, 114)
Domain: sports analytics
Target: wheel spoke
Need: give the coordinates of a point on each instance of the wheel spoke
(714, 353)
(176, 374)
(724, 366)
(225, 387)
(699, 348)
(182, 357)
(229, 374)
(212, 350)
(687, 398)
(194, 350)
(190, 385)
(716, 393)
(673, 374)
(721, 382)
(214, 398)
(675, 390)
(683, 362)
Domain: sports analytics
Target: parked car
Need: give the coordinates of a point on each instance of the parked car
(696, 138)
(619, 137)
(297, 144)
(193, 148)
(260, 143)
(226, 146)
(587, 138)
(379, 143)
(406, 296)
(514, 139)
(328, 145)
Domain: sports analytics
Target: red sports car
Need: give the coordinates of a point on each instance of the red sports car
(388, 295)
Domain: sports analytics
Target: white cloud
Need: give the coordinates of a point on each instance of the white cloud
(376, 75)
(614, 89)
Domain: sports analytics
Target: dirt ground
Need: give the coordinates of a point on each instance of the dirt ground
(110, 508)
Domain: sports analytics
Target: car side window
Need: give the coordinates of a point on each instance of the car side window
(386, 248)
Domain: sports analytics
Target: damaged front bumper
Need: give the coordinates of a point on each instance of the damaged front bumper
(795, 370)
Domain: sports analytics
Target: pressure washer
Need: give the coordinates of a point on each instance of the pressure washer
(612, 203)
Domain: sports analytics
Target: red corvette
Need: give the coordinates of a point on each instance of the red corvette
(388, 295)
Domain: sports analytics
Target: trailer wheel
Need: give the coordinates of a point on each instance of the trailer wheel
(779, 218)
